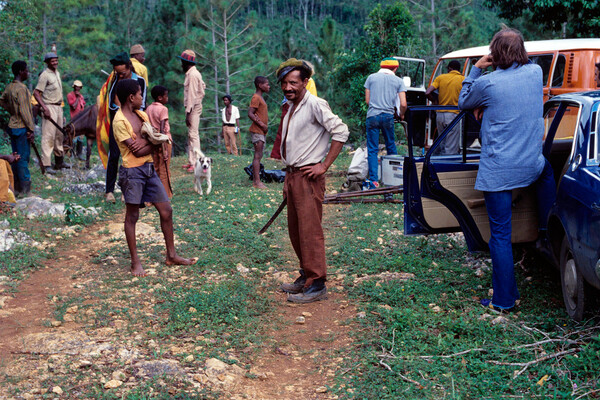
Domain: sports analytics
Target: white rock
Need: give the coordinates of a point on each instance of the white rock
(112, 384)
(57, 390)
(300, 320)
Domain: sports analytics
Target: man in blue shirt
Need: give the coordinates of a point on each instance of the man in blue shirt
(383, 90)
(512, 131)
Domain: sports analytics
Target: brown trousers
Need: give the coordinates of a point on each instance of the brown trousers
(305, 212)
(230, 139)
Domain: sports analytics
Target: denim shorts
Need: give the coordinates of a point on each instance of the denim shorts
(141, 184)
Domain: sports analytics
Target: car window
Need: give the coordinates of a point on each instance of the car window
(593, 142)
(568, 123)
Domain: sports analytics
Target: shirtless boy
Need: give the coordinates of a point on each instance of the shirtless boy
(137, 177)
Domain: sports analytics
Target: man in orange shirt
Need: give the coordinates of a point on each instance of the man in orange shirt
(258, 113)
(448, 86)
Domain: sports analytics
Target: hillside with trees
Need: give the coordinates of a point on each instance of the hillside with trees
(238, 39)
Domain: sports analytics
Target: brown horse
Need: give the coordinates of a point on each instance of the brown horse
(84, 123)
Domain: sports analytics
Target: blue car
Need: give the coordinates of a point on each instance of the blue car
(439, 194)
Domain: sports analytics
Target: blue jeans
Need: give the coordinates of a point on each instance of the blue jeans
(19, 144)
(499, 209)
(385, 123)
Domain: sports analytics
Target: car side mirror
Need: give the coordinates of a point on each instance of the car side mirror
(407, 81)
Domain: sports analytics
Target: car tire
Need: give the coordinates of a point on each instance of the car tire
(574, 287)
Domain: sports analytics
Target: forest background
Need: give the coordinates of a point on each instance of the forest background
(237, 40)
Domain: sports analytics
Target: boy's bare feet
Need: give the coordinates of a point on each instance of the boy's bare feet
(177, 260)
(137, 270)
(259, 185)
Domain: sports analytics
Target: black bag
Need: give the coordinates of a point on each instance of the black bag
(267, 176)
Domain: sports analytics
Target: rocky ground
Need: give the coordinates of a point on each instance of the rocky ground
(83, 322)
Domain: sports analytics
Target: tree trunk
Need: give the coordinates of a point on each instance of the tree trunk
(433, 33)
(216, 71)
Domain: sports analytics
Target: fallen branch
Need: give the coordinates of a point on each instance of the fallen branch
(567, 341)
(460, 353)
(537, 360)
(404, 378)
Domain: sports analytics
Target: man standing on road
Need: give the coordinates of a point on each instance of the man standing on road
(138, 57)
(193, 93)
(49, 95)
(305, 150)
(16, 99)
(448, 86)
(512, 132)
(75, 99)
(382, 90)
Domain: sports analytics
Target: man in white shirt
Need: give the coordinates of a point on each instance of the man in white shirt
(307, 128)
(230, 115)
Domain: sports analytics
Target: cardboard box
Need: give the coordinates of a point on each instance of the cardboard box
(392, 170)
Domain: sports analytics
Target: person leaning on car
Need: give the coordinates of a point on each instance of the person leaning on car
(512, 131)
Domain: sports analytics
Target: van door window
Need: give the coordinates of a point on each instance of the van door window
(559, 71)
(544, 61)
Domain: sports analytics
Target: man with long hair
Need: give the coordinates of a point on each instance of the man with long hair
(512, 131)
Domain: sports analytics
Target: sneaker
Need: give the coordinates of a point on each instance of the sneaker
(50, 170)
(110, 198)
(487, 303)
(309, 295)
(190, 169)
(368, 185)
(295, 287)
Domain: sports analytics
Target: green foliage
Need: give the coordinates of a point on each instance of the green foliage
(389, 32)
(575, 18)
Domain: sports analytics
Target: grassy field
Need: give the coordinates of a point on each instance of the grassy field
(420, 332)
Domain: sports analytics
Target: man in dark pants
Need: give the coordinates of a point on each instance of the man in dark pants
(16, 100)
(122, 69)
(305, 150)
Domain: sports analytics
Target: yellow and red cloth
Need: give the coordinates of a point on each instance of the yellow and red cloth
(103, 121)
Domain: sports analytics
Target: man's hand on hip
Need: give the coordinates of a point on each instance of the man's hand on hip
(314, 171)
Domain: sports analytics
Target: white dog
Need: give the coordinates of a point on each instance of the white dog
(202, 172)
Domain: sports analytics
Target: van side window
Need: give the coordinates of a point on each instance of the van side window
(559, 71)
(544, 61)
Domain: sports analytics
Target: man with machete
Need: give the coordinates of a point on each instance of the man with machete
(49, 95)
(306, 130)
(16, 100)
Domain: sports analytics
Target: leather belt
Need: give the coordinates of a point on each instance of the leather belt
(54, 104)
(228, 124)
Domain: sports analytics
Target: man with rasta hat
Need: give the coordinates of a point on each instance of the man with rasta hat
(49, 95)
(108, 105)
(193, 93)
(382, 91)
(305, 150)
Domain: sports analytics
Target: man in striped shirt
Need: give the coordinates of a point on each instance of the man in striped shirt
(16, 100)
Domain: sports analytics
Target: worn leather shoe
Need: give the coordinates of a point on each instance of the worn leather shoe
(296, 286)
(310, 294)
